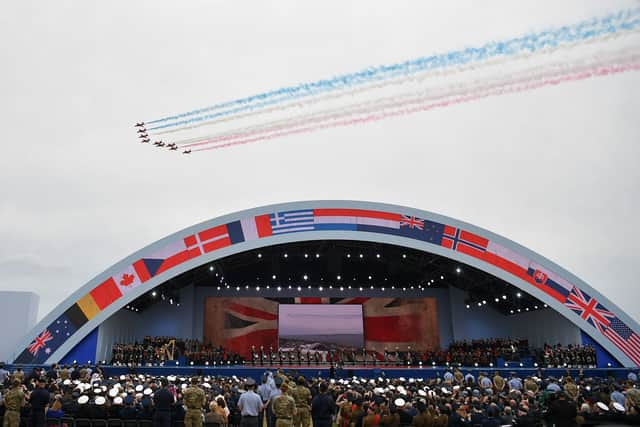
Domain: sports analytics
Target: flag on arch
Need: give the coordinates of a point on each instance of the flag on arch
(47, 341)
(589, 309)
(624, 338)
(460, 240)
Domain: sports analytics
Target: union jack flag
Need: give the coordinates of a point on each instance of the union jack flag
(40, 342)
(412, 222)
(589, 309)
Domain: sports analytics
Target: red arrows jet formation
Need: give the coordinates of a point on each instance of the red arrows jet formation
(144, 139)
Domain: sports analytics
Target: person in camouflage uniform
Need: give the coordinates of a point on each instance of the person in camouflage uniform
(498, 382)
(13, 402)
(194, 400)
(284, 407)
(18, 374)
(302, 396)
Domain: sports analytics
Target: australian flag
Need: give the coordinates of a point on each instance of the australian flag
(48, 341)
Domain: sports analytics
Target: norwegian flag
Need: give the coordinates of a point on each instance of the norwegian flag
(464, 241)
(40, 342)
(589, 309)
(412, 222)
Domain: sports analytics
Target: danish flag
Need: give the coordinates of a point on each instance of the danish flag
(40, 342)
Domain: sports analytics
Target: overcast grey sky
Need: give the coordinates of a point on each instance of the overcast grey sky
(554, 169)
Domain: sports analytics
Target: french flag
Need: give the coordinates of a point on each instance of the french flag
(248, 229)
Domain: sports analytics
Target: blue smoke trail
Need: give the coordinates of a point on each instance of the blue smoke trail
(595, 27)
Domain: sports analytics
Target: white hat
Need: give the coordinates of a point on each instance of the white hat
(83, 399)
(391, 387)
(206, 385)
(401, 390)
(618, 407)
(147, 391)
(378, 390)
(117, 400)
(66, 382)
(138, 396)
(399, 402)
(97, 390)
(171, 378)
(139, 388)
(445, 390)
(422, 392)
(122, 377)
(402, 379)
(113, 392)
(602, 406)
(411, 380)
(100, 400)
(332, 381)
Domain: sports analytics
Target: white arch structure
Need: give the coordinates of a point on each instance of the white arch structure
(64, 327)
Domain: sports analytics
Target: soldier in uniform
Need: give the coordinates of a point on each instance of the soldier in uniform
(13, 402)
(571, 388)
(302, 396)
(284, 407)
(194, 400)
(18, 374)
(498, 382)
(531, 385)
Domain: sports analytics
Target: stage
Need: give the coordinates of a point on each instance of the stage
(323, 371)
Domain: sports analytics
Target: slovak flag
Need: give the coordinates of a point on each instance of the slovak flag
(539, 276)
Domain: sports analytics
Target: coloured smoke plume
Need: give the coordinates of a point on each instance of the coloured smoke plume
(554, 74)
(501, 67)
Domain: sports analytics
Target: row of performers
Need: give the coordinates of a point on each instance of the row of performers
(299, 356)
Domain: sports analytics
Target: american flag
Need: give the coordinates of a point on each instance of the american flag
(412, 222)
(589, 309)
(292, 221)
(40, 342)
(624, 338)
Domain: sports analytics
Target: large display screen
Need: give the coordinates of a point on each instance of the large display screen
(320, 327)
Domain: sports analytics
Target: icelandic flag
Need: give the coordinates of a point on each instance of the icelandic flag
(291, 221)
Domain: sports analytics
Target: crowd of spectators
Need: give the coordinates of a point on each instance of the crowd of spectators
(157, 350)
(456, 399)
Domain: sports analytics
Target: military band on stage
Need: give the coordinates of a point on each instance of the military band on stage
(299, 356)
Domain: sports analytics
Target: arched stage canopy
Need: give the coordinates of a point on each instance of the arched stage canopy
(62, 329)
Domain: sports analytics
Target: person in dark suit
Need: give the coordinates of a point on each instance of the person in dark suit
(322, 407)
(562, 412)
(39, 400)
